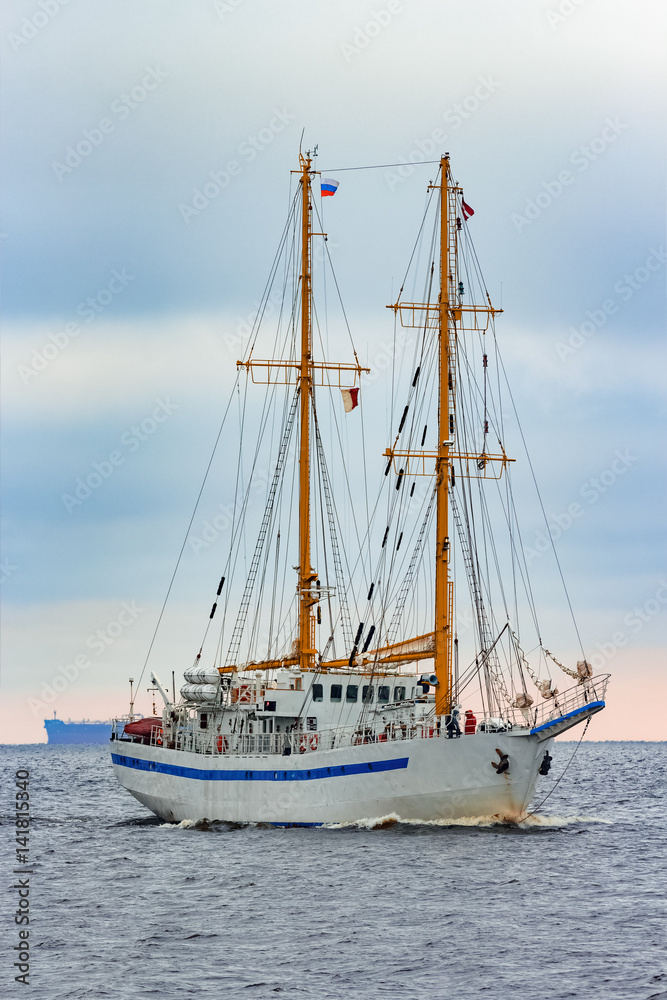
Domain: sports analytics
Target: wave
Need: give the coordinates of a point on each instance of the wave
(527, 821)
(522, 822)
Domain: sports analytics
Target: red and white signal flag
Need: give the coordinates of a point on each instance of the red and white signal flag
(350, 398)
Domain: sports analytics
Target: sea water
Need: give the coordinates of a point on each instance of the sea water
(568, 904)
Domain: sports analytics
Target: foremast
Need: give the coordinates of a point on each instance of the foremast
(443, 584)
(308, 373)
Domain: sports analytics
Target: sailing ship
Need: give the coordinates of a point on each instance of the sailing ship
(367, 690)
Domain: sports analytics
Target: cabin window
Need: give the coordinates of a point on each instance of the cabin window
(399, 694)
(318, 692)
(269, 706)
(297, 684)
(367, 694)
(203, 720)
(352, 692)
(267, 725)
(311, 724)
(383, 692)
(336, 692)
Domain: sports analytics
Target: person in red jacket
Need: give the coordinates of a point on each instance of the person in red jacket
(470, 723)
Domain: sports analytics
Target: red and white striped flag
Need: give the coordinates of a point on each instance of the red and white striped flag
(350, 398)
(467, 210)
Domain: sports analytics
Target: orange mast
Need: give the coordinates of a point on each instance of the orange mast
(443, 585)
(307, 651)
(450, 318)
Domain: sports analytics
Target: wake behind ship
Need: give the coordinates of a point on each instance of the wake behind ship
(380, 649)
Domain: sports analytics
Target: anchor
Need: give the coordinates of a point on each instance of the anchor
(503, 764)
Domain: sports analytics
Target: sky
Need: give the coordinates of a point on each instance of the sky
(147, 150)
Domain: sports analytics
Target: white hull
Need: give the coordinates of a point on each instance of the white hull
(418, 779)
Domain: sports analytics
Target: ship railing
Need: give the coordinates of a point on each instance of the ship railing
(259, 743)
(300, 742)
(118, 729)
(573, 699)
(587, 692)
(305, 742)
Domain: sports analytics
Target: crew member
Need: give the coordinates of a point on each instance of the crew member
(452, 724)
(470, 723)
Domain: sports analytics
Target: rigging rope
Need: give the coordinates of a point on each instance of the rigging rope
(409, 576)
(343, 612)
(375, 166)
(549, 793)
(187, 530)
(544, 514)
(235, 642)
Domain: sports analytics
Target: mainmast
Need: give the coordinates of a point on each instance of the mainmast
(443, 584)
(307, 651)
(449, 318)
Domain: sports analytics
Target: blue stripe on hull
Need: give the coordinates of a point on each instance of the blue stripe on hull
(577, 711)
(290, 826)
(311, 774)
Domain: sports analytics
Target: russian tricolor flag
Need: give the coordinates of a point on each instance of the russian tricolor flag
(329, 187)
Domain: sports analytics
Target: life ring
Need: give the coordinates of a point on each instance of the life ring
(303, 744)
(314, 741)
(222, 744)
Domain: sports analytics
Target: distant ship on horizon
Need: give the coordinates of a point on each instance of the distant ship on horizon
(60, 733)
